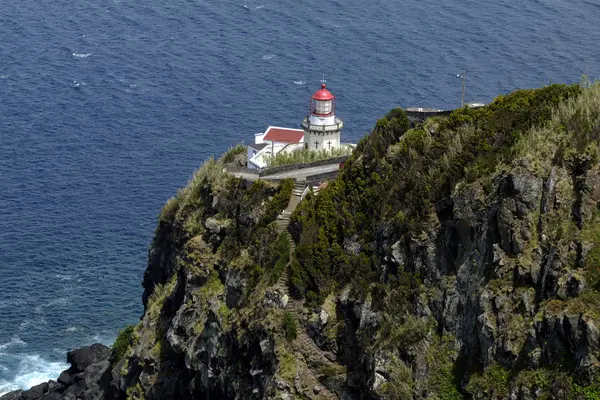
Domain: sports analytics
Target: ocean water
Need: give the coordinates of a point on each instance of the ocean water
(107, 107)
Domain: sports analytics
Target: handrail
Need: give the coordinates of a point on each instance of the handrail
(304, 193)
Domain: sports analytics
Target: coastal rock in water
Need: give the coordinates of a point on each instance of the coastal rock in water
(82, 358)
(88, 378)
(16, 395)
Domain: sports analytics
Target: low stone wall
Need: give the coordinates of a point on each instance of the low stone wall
(292, 167)
(316, 180)
(419, 116)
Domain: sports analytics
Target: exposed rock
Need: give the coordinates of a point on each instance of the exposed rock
(217, 226)
(97, 380)
(82, 358)
(16, 395)
(36, 392)
(324, 317)
(92, 383)
(66, 378)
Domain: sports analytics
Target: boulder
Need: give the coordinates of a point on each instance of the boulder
(97, 380)
(65, 377)
(36, 392)
(16, 395)
(75, 391)
(217, 226)
(54, 386)
(82, 358)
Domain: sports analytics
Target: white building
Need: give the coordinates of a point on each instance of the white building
(273, 141)
(321, 129)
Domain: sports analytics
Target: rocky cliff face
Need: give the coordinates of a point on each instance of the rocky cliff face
(455, 259)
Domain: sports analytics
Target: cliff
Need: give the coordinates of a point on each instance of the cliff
(459, 258)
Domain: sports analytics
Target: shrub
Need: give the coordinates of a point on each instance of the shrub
(278, 203)
(233, 151)
(289, 326)
(306, 156)
(492, 383)
(282, 252)
(122, 343)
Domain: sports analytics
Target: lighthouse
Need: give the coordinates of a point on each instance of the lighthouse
(321, 127)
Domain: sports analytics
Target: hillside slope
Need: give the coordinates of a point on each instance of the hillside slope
(455, 259)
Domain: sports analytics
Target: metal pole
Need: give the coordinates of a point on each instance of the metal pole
(464, 85)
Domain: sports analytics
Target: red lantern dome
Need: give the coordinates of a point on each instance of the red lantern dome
(322, 102)
(323, 94)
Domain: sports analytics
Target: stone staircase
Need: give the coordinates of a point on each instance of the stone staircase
(315, 358)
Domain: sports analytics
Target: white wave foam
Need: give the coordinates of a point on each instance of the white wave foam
(32, 370)
(25, 324)
(299, 82)
(267, 56)
(82, 55)
(14, 341)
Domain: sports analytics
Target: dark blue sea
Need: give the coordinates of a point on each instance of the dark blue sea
(108, 106)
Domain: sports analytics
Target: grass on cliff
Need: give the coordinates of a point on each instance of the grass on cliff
(122, 343)
(190, 203)
(233, 151)
(157, 300)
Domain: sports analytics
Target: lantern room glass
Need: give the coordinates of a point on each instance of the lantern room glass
(322, 107)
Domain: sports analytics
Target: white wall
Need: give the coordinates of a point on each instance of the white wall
(323, 138)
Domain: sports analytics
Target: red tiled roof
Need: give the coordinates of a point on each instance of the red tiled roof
(284, 135)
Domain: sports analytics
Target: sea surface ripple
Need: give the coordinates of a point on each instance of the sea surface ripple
(107, 107)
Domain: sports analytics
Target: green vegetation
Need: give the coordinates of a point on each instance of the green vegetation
(400, 384)
(233, 151)
(289, 326)
(287, 366)
(135, 392)
(399, 183)
(548, 383)
(306, 156)
(278, 203)
(442, 379)
(282, 251)
(492, 383)
(398, 178)
(122, 343)
(212, 287)
(157, 300)
(190, 203)
(589, 392)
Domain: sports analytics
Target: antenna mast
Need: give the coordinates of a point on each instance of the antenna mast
(464, 86)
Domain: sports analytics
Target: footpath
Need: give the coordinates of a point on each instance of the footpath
(315, 358)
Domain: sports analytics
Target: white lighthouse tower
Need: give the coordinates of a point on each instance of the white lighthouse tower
(321, 127)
